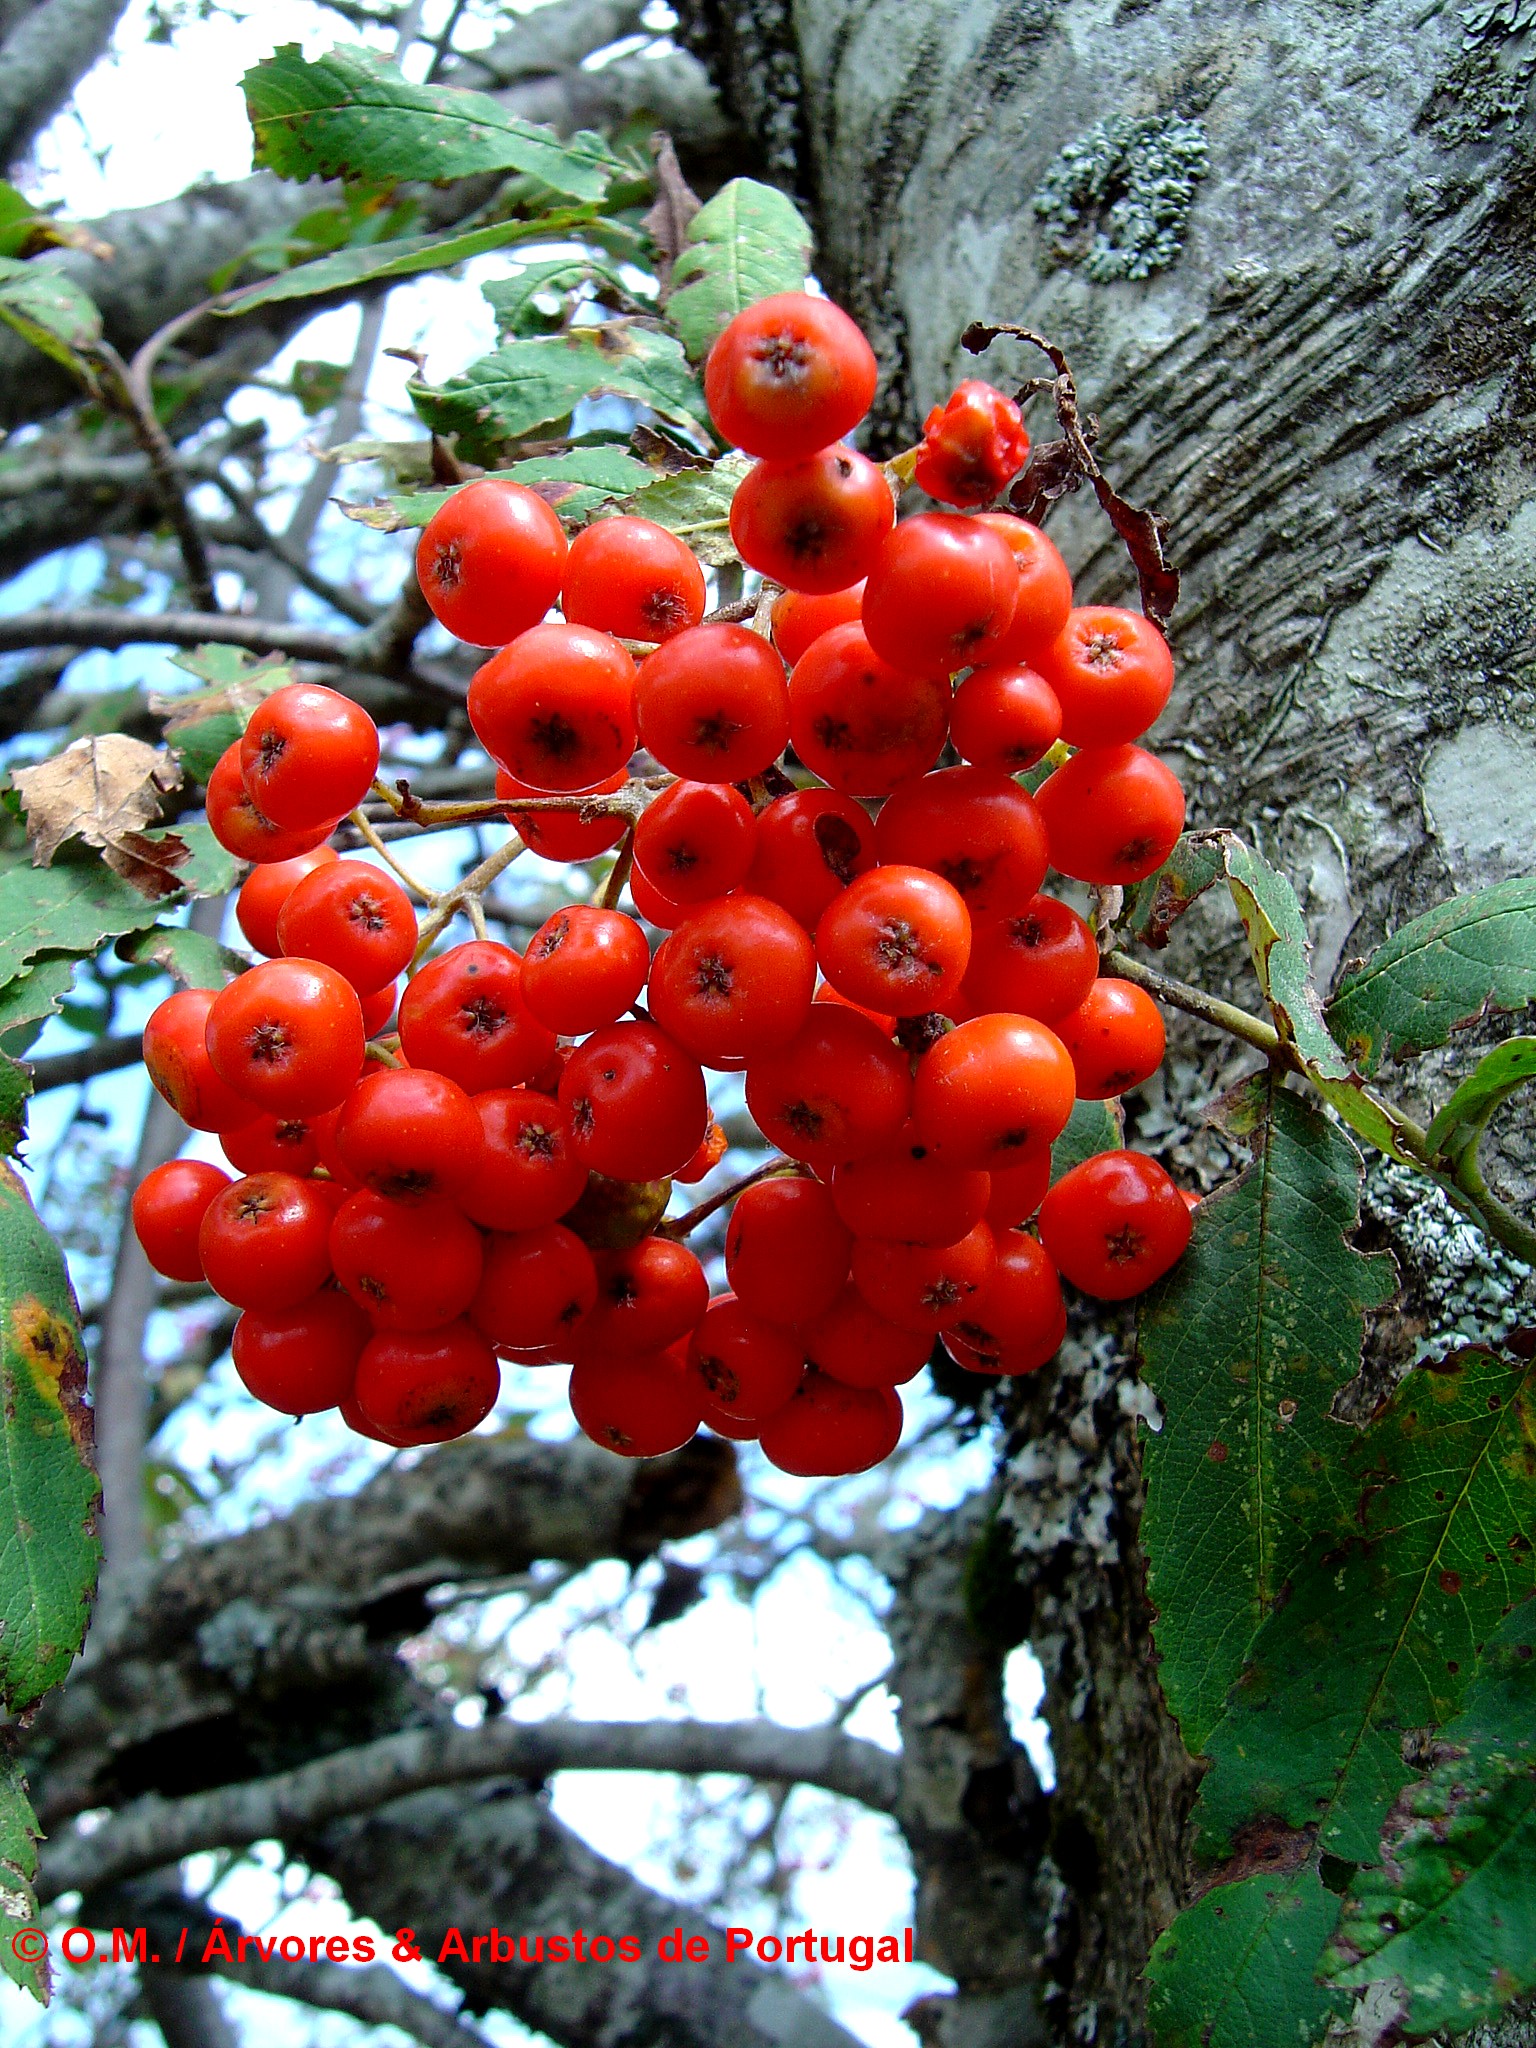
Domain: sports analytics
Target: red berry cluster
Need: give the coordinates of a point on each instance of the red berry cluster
(913, 1016)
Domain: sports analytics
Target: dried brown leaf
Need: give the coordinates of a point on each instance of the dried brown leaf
(104, 791)
(675, 205)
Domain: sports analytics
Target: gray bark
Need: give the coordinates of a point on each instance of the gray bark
(45, 54)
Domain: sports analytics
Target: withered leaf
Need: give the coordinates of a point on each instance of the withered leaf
(105, 790)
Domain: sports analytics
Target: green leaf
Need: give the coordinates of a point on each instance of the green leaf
(1157, 904)
(18, 1868)
(31, 998)
(201, 724)
(746, 243)
(193, 958)
(351, 114)
(69, 907)
(48, 1492)
(1438, 974)
(15, 1091)
(1245, 1344)
(1498, 1075)
(1448, 1918)
(528, 385)
(48, 309)
(512, 298)
(590, 476)
(1430, 1548)
(1092, 1127)
(1235, 1970)
(695, 503)
(1282, 959)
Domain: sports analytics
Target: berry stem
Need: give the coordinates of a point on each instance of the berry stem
(618, 874)
(682, 1226)
(404, 875)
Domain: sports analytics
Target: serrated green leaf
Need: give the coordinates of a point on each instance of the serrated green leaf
(191, 957)
(1245, 1344)
(1439, 973)
(695, 504)
(351, 114)
(1430, 1547)
(70, 907)
(31, 998)
(743, 245)
(18, 1868)
(1498, 1075)
(47, 308)
(533, 384)
(1282, 959)
(592, 477)
(49, 1553)
(199, 745)
(1448, 1917)
(1155, 906)
(512, 298)
(1092, 1127)
(1236, 1969)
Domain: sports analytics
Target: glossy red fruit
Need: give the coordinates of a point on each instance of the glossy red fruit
(408, 1133)
(734, 980)
(243, 830)
(1018, 1191)
(1112, 673)
(536, 1288)
(1115, 1037)
(308, 756)
(169, 1204)
(973, 445)
(427, 1386)
(837, 1091)
(940, 594)
(638, 1407)
(882, 1020)
(696, 841)
(408, 1265)
(1039, 962)
(828, 1429)
(813, 524)
(176, 1055)
(747, 1368)
(1115, 1224)
(564, 835)
(712, 1148)
(652, 905)
(355, 918)
(634, 579)
(976, 828)
(288, 1035)
(1018, 1319)
(809, 846)
(787, 1250)
(800, 618)
(556, 708)
(379, 1007)
(272, 1144)
(712, 704)
(465, 1016)
(266, 889)
(1004, 717)
(1113, 814)
(264, 1241)
(583, 968)
(527, 1174)
(924, 1288)
(303, 1359)
(851, 1343)
(860, 722)
(904, 1193)
(994, 1090)
(1044, 596)
(789, 375)
(490, 560)
(636, 1102)
(648, 1296)
(897, 940)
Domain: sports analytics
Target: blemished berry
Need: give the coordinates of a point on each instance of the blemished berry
(789, 375)
(973, 446)
(816, 524)
(490, 560)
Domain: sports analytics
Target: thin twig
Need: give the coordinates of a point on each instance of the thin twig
(682, 1226)
(403, 874)
(136, 401)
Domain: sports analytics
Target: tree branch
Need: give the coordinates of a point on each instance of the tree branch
(43, 59)
(373, 1994)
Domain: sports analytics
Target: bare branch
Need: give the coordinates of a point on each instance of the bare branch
(135, 399)
(41, 61)
(374, 1995)
(101, 1056)
(187, 2011)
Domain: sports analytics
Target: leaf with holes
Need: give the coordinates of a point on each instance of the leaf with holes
(1438, 974)
(1236, 1969)
(743, 245)
(575, 483)
(351, 114)
(1447, 1919)
(1430, 1545)
(47, 308)
(1245, 1344)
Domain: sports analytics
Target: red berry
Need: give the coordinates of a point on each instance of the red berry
(264, 1241)
(564, 835)
(408, 1133)
(1114, 814)
(906, 1194)
(309, 756)
(176, 1055)
(837, 1091)
(1115, 1224)
(853, 1344)
(379, 1007)
(636, 1102)
(789, 375)
(638, 1407)
(1004, 717)
(734, 980)
(648, 1296)
(584, 967)
(1115, 1037)
(634, 579)
(993, 1090)
(800, 618)
(746, 1368)
(712, 1148)
(243, 830)
(288, 1035)
(975, 827)
(426, 1386)
(813, 524)
(1045, 588)
(924, 1288)
(556, 708)
(696, 840)
(859, 722)
(465, 1016)
(489, 561)
(1112, 674)
(266, 889)
(1038, 962)
(302, 1359)
(355, 918)
(829, 1430)
(527, 1174)
(272, 1144)
(941, 594)
(810, 845)
(1018, 1191)
(169, 1204)
(408, 1265)
(536, 1288)
(974, 445)
(1018, 1319)
(787, 1250)
(654, 907)
(897, 940)
(712, 704)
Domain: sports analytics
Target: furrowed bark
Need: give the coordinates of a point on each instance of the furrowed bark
(44, 56)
